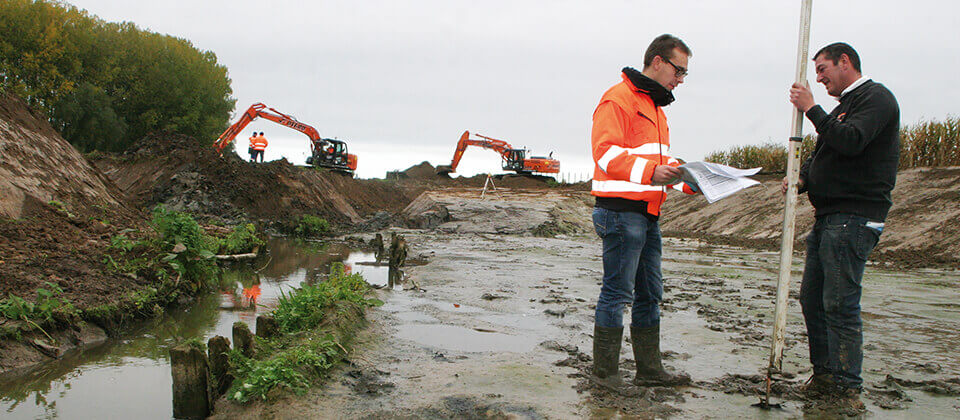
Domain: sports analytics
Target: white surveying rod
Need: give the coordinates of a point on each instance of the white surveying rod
(790, 211)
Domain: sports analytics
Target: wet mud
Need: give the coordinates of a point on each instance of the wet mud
(505, 322)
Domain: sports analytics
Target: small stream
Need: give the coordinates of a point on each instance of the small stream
(129, 377)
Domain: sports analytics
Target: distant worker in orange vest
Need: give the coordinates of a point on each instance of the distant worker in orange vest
(253, 139)
(259, 145)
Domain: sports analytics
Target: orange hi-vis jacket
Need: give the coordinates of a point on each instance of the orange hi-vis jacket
(253, 140)
(630, 138)
(260, 143)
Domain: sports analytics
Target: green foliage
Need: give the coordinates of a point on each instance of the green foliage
(930, 144)
(306, 307)
(87, 119)
(308, 350)
(242, 239)
(121, 243)
(105, 85)
(197, 343)
(44, 310)
(309, 226)
(255, 378)
(189, 252)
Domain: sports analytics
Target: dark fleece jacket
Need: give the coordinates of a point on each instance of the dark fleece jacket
(854, 165)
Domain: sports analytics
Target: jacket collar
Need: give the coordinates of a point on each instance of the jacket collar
(854, 87)
(640, 83)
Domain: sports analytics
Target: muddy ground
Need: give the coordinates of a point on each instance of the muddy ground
(498, 325)
(502, 325)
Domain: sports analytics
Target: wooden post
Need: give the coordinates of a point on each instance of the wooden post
(267, 326)
(790, 210)
(378, 247)
(242, 339)
(398, 257)
(220, 378)
(191, 398)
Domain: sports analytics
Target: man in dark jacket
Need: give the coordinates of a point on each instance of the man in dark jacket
(848, 179)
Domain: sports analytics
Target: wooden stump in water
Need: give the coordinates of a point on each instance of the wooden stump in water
(267, 326)
(221, 379)
(243, 339)
(191, 398)
(377, 244)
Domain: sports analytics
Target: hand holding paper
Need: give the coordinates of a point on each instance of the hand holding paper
(716, 181)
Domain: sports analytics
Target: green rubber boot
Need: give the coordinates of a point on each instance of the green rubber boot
(606, 356)
(646, 351)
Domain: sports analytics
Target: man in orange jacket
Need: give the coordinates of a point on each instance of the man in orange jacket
(253, 139)
(631, 146)
(259, 145)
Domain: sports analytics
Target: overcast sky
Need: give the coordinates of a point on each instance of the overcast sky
(400, 81)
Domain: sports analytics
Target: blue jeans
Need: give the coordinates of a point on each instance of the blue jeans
(837, 251)
(631, 268)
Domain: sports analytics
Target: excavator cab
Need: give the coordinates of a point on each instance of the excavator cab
(513, 160)
(332, 153)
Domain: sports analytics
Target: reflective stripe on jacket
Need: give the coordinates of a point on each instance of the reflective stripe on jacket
(629, 139)
(260, 143)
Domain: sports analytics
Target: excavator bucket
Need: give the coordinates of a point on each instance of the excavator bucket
(444, 169)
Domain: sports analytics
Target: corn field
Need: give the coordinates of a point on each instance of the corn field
(924, 144)
(930, 143)
(772, 157)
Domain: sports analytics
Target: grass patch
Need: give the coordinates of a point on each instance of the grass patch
(306, 226)
(318, 322)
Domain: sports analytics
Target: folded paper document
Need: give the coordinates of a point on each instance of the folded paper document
(716, 181)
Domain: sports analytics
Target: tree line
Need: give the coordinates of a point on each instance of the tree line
(104, 85)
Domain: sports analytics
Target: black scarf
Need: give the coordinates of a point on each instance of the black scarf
(660, 95)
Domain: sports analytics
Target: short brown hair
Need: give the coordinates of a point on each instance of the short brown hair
(663, 46)
(833, 52)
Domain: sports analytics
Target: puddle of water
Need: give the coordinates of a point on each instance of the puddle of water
(130, 377)
(454, 338)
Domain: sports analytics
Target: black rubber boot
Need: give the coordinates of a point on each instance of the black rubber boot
(646, 351)
(606, 356)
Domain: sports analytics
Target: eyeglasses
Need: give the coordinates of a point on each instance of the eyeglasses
(681, 71)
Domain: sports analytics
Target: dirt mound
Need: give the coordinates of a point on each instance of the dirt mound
(38, 163)
(921, 228)
(57, 214)
(184, 174)
(422, 171)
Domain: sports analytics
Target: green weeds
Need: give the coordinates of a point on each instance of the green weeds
(310, 226)
(45, 309)
(242, 239)
(316, 322)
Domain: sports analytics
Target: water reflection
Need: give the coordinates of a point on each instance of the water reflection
(129, 377)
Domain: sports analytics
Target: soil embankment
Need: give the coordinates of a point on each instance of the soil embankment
(186, 175)
(57, 215)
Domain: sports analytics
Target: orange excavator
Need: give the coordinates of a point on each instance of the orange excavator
(326, 153)
(513, 159)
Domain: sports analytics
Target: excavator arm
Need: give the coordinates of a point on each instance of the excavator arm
(327, 153)
(259, 110)
(513, 159)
